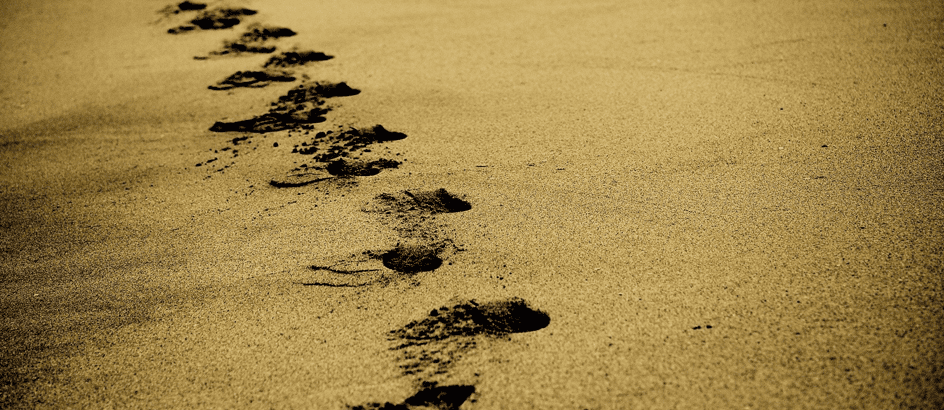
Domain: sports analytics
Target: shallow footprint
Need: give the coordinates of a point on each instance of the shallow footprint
(430, 346)
(438, 201)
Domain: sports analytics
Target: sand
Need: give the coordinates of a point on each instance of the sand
(670, 205)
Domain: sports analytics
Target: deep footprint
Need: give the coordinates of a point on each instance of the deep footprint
(431, 396)
(252, 79)
(343, 168)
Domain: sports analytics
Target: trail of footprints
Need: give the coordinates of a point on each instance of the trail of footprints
(428, 348)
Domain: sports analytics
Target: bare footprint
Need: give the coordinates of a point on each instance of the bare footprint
(430, 346)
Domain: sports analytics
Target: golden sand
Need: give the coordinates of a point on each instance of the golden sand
(673, 205)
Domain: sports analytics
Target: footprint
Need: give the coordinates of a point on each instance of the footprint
(295, 58)
(339, 277)
(412, 213)
(430, 396)
(336, 170)
(254, 40)
(252, 79)
(430, 346)
(215, 19)
(333, 171)
(438, 201)
(181, 8)
(307, 92)
(344, 168)
(412, 258)
(329, 150)
(301, 106)
(382, 267)
(333, 145)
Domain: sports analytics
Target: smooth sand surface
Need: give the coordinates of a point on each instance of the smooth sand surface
(721, 204)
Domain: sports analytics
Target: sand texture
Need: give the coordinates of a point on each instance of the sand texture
(512, 204)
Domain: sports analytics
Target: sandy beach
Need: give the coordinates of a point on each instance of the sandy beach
(510, 204)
